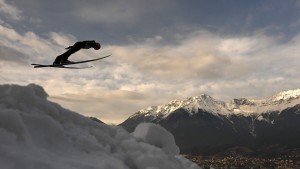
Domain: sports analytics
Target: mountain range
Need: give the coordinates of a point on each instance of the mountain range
(204, 125)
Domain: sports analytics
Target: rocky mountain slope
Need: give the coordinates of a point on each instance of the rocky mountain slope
(204, 125)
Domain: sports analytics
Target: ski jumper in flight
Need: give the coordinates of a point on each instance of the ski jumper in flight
(63, 58)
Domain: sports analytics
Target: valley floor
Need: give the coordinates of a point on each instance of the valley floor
(284, 162)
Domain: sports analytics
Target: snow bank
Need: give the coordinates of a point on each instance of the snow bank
(36, 133)
(158, 136)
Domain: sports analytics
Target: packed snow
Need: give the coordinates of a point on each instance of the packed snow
(36, 133)
(149, 132)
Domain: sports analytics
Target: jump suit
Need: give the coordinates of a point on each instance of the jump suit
(72, 49)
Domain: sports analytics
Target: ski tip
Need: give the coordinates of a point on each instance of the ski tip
(106, 56)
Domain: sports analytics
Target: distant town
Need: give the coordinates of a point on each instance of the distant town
(284, 162)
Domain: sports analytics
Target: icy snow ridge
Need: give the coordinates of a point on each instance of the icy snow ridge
(192, 104)
(243, 106)
(285, 96)
(36, 133)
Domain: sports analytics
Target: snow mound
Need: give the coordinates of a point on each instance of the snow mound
(36, 133)
(158, 136)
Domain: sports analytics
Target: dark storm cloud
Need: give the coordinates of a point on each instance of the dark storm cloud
(120, 21)
(107, 20)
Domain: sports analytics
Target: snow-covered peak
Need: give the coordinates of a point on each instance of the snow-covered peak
(285, 96)
(191, 104)
(244, 106)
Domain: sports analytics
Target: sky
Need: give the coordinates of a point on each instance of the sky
(162, 50)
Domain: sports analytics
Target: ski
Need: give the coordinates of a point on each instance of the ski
(72, 63)
(65, 67)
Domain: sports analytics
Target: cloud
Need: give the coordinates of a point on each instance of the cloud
(108, 13)
(200, 54)
(10, 10)
(62, 39)
(32, 45)
(98, 95)
(11, 55)
(118, 11)
(152, 72)
(111, 106)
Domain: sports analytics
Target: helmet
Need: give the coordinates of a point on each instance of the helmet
(97, 46)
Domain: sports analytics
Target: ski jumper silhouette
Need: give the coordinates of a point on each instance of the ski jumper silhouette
(63, 58)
